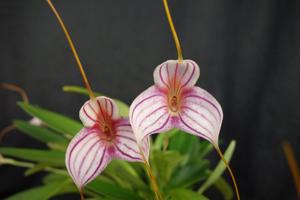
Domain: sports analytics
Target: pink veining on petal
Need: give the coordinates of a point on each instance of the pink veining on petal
(149, 116)
(126, 147)
(141, 101)
(83, 157)
(163, 107)
(202, 115)
(101, 166)
(186, 127)
(198, 122)
(203, 96)
(184, 74)
(82, 161)
(97, 111)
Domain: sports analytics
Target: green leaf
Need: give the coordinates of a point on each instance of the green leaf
(54, 120)
(79, 90)
(56, 158)
(205, 148)
(164, 163)
(123, 173)
(189, 174)
(189, 145)
(224, 188)
(220, 168)
(112, 190)
(184, 194)
(40, 193)
(40, 133)
(160, 138)
(49, 178)
(35, 169)
(123, 107)
(183, 142)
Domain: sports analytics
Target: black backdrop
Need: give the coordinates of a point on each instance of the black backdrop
(248, 52)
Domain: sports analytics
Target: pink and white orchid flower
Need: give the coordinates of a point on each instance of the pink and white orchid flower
(105, 136)
(175, 102)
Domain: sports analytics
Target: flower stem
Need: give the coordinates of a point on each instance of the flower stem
(4, 132)
(81, 194)
(151, 176)
(82, 72)
(230, 172)
(294, 168)
(176, 39)
(17, 89)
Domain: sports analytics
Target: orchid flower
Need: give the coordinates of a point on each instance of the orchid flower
(105, 136)
(175, 102)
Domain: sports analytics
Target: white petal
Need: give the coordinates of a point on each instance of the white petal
(95, 110)
(149, 113)
(86, 157)
(126, 147)
(201, 114)
(172, 74)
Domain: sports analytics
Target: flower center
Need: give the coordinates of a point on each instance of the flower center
(174, 104)
(107, 132)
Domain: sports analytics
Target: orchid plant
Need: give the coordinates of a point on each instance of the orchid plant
(175, 102)
(108, 154)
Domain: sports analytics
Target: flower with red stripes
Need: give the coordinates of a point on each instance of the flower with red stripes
(105, 136)
(175, 102)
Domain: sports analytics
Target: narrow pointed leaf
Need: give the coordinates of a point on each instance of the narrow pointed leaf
(40, 133)
(37, 168)
(181, 194)
(42, 192)
(54, 120)
(224, 188)
(56, 158)
(112, 190)
(124, 174)
(164, 163)
(220, 168)
(189, 174)
(158, 144)
(123, 107)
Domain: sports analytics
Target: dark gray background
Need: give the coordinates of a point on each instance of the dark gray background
(248, 52)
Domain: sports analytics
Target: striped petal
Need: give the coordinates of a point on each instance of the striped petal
(86, 156)
(97, 110)
(149, 113)
(126, 147)
(201, 115)
(172, 74)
